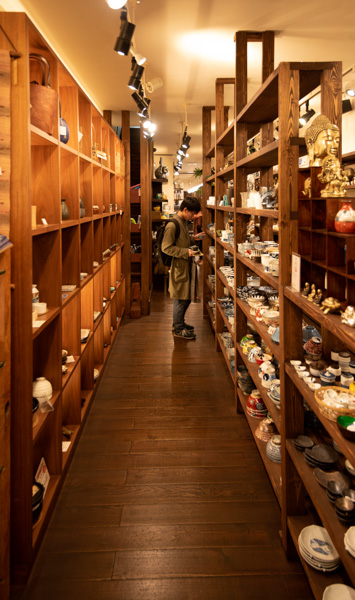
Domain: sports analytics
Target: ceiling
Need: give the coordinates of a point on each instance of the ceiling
(188, 44)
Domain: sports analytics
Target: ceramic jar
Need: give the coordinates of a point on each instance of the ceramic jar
(65, 210)
(344, 221)
(42, 389)
(82, 208)
(327, 378)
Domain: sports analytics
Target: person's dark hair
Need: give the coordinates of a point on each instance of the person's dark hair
(191, 203)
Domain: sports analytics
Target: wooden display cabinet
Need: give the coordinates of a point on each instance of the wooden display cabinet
(305, 225)
(5, 418)
(50, 254)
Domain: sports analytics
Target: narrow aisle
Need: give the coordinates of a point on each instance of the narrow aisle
(166, 498)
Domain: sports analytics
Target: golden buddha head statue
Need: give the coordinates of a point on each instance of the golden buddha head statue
(322, 139)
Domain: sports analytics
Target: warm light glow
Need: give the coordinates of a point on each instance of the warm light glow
(211, 44)
(115, 4)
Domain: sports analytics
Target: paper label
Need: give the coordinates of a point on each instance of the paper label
(42, 475)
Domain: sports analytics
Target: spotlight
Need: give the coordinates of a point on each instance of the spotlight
(346, 106)
(124, 40)
(154, 85)
(115, 4)
(139, 58)
(307, 115)
(142, 105)
(186, 142)
(149, 126)
(182, 152)
(135, 79)
(350, 88)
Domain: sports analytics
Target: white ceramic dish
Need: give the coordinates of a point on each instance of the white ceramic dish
(338, 591)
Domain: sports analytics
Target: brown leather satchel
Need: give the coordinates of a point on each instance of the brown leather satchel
(43, 99)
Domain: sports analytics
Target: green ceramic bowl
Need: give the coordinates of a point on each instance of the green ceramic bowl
(343, 423)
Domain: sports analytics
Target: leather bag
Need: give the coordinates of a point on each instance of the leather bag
(43, 98)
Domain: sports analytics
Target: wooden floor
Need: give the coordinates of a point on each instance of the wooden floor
(166, 498)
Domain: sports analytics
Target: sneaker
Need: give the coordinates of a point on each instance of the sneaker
(186, 326)
(184, 333)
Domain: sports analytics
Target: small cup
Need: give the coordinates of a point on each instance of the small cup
(334, 355)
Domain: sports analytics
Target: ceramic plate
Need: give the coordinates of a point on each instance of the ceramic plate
(316, 541)
(322, 453)
(338, 591)
(323, 477)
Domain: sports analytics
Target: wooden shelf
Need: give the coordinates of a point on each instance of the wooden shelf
(273, 469)
(226, 174)
(225, 283)
(317, 579)
(53, 255)
(324, 508)
(253, 372)
(259, 270)
(268, 213)
(330, 322)
(260, 327)
(226, 358)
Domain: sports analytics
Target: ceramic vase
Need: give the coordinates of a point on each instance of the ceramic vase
(345, 218)
(82, 208)
(65, 210)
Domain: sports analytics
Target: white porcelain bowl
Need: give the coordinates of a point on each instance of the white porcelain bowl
(42, 389)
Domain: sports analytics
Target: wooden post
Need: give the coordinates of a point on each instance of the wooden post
(127, 204)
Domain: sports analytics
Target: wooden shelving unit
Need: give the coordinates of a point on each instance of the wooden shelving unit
(304, 227)
(5, 419)
(84, 251)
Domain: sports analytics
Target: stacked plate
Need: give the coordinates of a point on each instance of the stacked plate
(324, 477)
(322, 456)
(349, 541)
(317, 549)
(302, 442)
(338, 591)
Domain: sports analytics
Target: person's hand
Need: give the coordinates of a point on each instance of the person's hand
(199, 236)
(191, 252)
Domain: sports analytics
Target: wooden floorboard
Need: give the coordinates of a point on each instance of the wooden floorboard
(166, 497)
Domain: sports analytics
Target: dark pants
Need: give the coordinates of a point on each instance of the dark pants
(179, 310)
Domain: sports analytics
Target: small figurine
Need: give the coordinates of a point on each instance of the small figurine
(306, 289)
(348, 316)
(334, 177)
(318, 297)
(330, 305)
(307, 187)
(312, 293)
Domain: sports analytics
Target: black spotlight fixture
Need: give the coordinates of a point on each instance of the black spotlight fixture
(307, 115)
(346, 106)
(186, 142)
(135, 79)
(142, 105)
(124, 40)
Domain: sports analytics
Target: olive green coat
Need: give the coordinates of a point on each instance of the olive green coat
(179, 275)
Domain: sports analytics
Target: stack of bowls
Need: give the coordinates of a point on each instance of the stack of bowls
(335, 490)
(317, 549)
(265, 430)
(274, 392)
(273, 448)
(349, 541)
(345, 510)
(255, 405)
(245, 382)
(302, 442)
(313, 347)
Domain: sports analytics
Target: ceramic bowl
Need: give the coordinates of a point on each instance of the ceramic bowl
(349, 467)
(42, 389)
(350, 494)
(271, 316)
(343, 423)
(314, 386)
(296, 363)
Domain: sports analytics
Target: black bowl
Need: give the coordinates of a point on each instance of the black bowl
(37, 500)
